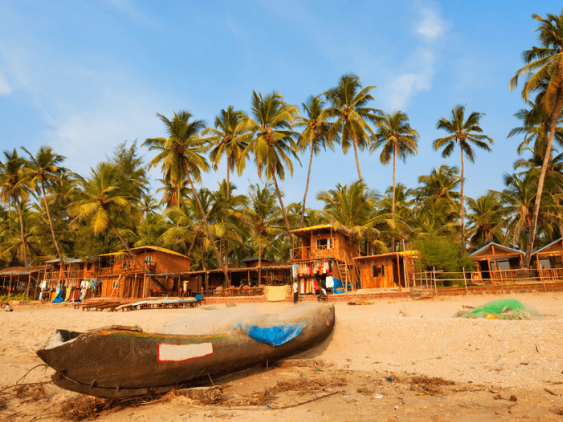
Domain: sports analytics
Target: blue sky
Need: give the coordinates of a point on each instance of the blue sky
(82, 76)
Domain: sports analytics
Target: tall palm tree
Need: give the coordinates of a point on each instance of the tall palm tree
(486, 218)
(101, 200)
(463, 133)
(181, 156)
(348, 101)
(272, 140)
(314, 136)
(229, 138)
(15, 188)
(261, 215)
(544, 77)
(44, 169)
(398, 138)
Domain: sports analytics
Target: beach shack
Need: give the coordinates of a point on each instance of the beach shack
(323, 256)
(122, 277)
(549, 261)
(388, 270)
(496, 263)
(15, 280)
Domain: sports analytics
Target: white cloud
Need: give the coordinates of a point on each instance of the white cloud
(4, 87)
(432, 25)
(421, 64)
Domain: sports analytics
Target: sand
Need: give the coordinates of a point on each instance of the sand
(399, 337)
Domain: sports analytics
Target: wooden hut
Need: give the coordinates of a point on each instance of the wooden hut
(322, 252)
(122, 277)
(387, 270)
(549, 261)
(71, 269)
(15, 280)
(496, 263)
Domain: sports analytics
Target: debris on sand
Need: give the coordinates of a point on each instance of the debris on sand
(430, 385)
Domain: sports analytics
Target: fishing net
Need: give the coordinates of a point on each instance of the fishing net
(507, 309)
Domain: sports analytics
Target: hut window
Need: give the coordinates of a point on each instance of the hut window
(148, 260)
(115, 284)
(325, 243)
(378, 270)
(503, 264)
(545, 263)
(126, 264)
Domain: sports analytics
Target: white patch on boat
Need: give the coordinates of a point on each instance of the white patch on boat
(182, 352)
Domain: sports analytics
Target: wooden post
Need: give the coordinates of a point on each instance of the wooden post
(206, 280)
(435, 287)
(248, 278)
(28, 282)
(465, 281)
(144, 286)
(399, 272)
(10, 287)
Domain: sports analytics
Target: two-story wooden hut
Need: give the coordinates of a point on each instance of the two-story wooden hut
(496, 263)
(322, 254)
(388, 270)
(548, 261)
(122, 277)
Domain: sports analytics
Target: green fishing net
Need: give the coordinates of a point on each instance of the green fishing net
(502, 309)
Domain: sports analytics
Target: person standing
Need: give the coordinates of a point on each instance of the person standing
(295, 292)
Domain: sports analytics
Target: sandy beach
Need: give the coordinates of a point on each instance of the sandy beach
(487, 361)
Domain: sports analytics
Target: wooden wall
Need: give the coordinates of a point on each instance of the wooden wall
(386, 281)
(341, 244)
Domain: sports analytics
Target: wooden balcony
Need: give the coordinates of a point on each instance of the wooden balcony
(57, 275)
(307, 252)
(117, 270)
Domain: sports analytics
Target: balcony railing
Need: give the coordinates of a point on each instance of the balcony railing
(551, 273)
(117, 270)
(57, 275)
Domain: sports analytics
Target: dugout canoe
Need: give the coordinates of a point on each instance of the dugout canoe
(126, 362)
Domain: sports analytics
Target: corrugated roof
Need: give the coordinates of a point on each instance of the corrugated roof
(65, 260)
(153, 248)
(547, 246)
(496, 244)
(255, 258)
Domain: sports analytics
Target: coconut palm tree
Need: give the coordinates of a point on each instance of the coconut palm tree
(181, 157)
(44, 169)
(101, 201)
(314, 136)
(261, 215)
(272, 140)
(398, 139)
(15, 188)
(486, 219)
(463, 133)
(544, 78)
(348, 104)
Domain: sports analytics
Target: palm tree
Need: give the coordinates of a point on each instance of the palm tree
(101, 200)
(182, 157)
(398, 138)
(486, 218)
(42, 169)
(229, 138)
(261, 215)
(348, 102)
(463, 132)
(544, 77)
(272, 140)
(314, 136)
(15, 188)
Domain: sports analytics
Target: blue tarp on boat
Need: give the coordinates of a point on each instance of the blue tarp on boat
(275, 336)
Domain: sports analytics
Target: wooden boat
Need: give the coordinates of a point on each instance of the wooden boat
(125, 362)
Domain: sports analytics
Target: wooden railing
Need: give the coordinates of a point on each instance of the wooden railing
(117, 270)
(302, 252)
(551, 273)
(307, 252)
(58, 275)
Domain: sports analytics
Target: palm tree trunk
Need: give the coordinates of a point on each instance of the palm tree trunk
(227, 218)
(59, 254)
(259, 258)
(546, 160)
(202, 257)
(306, 188)
(357, 161)
(281, 202)
(209, 235)
(124, 243)
(16, 200)
(461, 208)
(393, 203)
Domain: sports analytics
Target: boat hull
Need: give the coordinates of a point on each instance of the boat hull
(122, 363)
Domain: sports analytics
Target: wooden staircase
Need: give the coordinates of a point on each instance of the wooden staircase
(349, 274)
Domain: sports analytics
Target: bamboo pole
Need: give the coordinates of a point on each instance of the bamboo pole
(465, 282)
(10, 287)
(435, 287)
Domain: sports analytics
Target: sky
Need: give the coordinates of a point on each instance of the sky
(83, 76)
